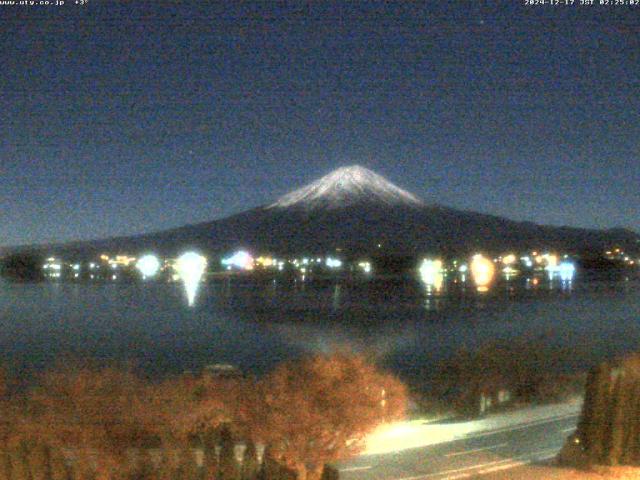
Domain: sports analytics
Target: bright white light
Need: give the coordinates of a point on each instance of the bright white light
(190, 267)
(431, 273)
(333, 262)
(482, 270)
(527, 261)
(365, 266)
(148, 265)
(567, 271)
(76, 267)
(463, 268)
(240, 259)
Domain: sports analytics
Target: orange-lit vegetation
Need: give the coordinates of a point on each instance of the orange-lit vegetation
(85, 422)
(318, 410)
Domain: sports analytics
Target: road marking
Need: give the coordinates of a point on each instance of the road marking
(480, 469)
(506, 466)
(521, 426)
(567, 430)
(485, 471)
(455, 454)
(454, 470)
(355, 469)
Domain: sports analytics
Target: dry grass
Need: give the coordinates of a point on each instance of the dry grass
(618, 473)
(549, 472)
(538, 472)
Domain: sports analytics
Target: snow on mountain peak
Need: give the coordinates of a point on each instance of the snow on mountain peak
(346, 186)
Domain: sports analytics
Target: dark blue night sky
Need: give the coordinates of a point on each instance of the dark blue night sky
(126, 117)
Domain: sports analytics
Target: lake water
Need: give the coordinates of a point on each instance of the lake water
(255, 324)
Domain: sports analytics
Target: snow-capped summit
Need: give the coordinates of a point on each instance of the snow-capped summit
(347, 186)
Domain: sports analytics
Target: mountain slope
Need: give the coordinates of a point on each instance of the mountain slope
(356, 210)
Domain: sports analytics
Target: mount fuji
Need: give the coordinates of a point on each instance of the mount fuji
(358, 212)
(347, 186)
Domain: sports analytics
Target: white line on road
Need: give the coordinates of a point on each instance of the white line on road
(454, 470)
(505, 464)
(491, 447)
(499, 468)
(355, 469)
(522, 426)
(567, 430)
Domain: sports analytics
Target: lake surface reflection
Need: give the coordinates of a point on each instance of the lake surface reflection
(255, 324)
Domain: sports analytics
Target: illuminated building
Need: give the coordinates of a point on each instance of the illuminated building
(265, 262)
(482, 270)
(551, 259)
(124, 260)
(52, 268)
(551, 264)
(333, 262)
(567, 271)
(365, 266)
(509, 259)
(431, 273)
(240, 259)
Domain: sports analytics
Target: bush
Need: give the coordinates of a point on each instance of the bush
(112, 424)
(526, 369)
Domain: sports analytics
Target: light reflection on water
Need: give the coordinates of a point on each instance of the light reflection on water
(255, 324)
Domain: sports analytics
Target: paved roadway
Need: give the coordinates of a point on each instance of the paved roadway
(514, 442)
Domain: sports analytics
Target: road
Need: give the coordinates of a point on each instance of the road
(466, 450)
